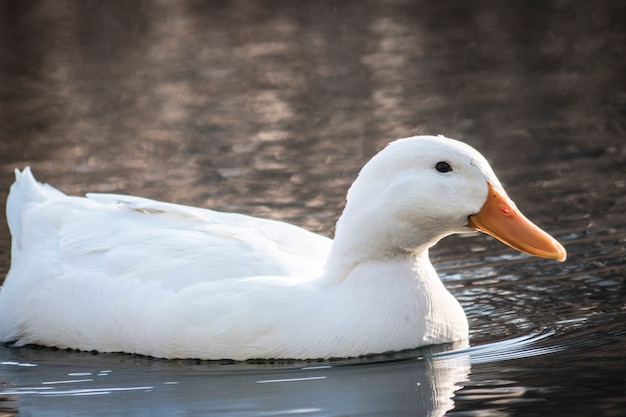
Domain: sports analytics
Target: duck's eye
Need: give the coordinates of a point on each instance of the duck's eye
(443, 167)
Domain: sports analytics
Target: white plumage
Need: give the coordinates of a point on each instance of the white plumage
(121, 273)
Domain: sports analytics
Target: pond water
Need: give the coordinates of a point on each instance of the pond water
(270, 108)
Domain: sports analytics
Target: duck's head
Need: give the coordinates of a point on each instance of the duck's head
(420, 189)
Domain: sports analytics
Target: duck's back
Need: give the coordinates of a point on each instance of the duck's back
(71, 255)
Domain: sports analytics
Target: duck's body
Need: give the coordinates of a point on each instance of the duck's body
(119, 273)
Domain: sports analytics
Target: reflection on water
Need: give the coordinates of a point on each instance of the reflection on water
(403, 385)
(422, 382)
(270, 108)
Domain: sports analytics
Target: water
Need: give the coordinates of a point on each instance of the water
(270, 108)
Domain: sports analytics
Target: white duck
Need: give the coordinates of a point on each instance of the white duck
(115, 273)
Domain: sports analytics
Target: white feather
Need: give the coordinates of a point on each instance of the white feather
(121, 273)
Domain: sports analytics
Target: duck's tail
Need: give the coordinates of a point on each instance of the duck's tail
(24, 191)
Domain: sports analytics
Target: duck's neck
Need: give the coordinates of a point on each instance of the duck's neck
(359, 241)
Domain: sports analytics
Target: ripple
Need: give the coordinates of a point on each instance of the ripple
(515, 348)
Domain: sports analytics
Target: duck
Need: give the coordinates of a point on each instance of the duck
(118, 273)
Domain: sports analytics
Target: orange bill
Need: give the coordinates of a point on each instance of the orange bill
(501, 219)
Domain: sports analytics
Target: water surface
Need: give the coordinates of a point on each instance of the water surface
(270, 108)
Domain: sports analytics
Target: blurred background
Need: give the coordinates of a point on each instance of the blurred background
(232, 104)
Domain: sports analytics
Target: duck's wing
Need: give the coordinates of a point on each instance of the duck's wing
(173, 245)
